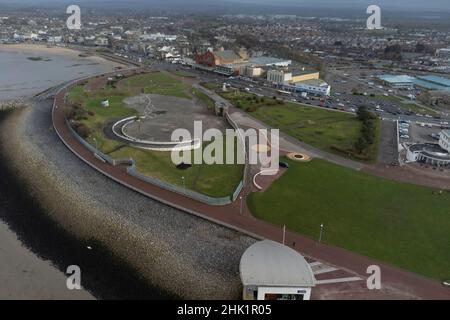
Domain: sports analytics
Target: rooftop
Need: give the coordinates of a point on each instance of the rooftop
(267, 61)
(269, 263)
(397, 79)
(227, 55)
(445, 82)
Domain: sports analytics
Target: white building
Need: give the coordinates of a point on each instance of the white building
(444, 140)
(279, 76)
(250, 71)
(432, 154)
(272, 271)
(443, 53)
(102, 42)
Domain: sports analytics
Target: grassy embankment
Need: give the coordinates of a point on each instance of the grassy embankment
(214, 180)
(402, 224)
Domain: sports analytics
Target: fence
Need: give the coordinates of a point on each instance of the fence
(243, 182)
(131, 167)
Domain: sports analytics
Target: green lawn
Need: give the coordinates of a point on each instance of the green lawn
(401, 224)
(203, 97)
(325, 129)
(212, 180)
(418, 109)
(186, 74)
(215, 180)
(317, 127)
(156, 83)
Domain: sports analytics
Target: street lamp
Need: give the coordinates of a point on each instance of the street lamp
(321, 232)
(96, 143)
(184, 183)
(242, 204)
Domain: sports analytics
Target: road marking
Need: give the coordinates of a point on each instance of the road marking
(325, 270)
(338, 280)
(313, 264)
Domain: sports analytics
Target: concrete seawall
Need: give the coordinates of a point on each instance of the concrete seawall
(181, 254)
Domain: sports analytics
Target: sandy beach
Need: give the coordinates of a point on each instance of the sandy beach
(68, 52)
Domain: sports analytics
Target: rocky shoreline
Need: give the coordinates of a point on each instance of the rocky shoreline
(181, 255)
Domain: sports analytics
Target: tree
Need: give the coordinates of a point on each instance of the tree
(361, 144)
(363, 114)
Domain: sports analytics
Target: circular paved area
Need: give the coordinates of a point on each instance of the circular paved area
(168, 114)
(300, 157)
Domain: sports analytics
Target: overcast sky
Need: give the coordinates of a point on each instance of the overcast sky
(402, 5)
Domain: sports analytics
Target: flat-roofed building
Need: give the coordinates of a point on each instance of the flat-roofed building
(398, 82)
(272, 271)
(251, 71)
(215, 58)
(444, 140)
(279, 76)
(304, 76)
(443, 53)
(269, 62)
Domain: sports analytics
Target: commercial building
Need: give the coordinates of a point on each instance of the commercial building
(272, 271)
(251, 71)
(398, 82)
(305, 75)
(269, 62)
(433, 154)
(443, 53)
(216, 58)
(433, 82)
(444, 140)
(279, 76)
(429, 82)
(319, 88)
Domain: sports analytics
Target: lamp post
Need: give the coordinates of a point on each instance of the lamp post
(242, 204)
(321, 232)
(184, 183)
(96, 144)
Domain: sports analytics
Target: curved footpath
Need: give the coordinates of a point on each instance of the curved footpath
(177, 252)
(396, 282)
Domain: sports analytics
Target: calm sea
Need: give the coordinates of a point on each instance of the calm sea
(24, 77)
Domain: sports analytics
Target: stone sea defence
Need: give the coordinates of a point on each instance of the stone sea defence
(184, 255)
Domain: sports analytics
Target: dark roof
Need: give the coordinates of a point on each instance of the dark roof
(228, 55)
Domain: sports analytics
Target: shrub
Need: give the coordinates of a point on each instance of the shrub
(83, 130)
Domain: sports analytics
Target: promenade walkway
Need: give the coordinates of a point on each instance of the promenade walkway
(342, 282)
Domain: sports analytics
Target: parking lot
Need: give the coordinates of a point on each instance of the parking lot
(419, 132)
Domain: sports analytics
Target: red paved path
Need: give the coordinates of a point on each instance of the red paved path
(397, 282)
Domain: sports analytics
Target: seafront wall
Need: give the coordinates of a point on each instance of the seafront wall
(184, 255)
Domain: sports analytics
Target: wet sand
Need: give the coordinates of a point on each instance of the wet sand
(23, 275)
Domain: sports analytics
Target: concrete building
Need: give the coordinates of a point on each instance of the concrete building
(433, 154)
(397, 82)
(272, 271)
(432, 82)
(443, 53)
(305, 75)
(215, 58)
(269, 62)
(444, 140)
(251, 71)
(319, 88)
(279, 76)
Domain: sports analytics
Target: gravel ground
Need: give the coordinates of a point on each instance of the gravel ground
(184, 255)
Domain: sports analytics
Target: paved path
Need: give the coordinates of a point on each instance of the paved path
(397, 283)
